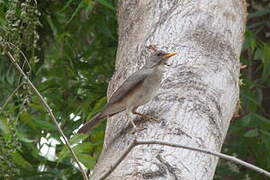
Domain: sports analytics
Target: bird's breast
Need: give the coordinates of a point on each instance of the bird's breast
(147, 90)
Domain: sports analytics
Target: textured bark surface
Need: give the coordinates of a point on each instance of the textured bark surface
(199, 91)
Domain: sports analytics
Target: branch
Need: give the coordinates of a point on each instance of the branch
(220, 155)
(49, 110)
(25, 59)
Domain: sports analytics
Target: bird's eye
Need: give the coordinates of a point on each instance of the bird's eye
(160, 54)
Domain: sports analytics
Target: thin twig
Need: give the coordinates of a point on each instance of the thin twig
(47, 107)
(10, 96)
(220, 155)
(25, 59)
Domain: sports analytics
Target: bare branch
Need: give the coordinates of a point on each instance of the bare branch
(217, 154)
(25, 59)
(49, 110)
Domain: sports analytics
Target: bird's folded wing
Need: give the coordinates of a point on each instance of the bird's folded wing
(129, 84)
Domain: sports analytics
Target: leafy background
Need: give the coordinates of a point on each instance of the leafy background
(71, 46)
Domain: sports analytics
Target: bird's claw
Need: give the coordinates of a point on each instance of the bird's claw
(137, 129)
(150, 118)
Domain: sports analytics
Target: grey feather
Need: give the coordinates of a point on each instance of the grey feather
(132, 81)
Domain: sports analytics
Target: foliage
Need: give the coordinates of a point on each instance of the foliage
(249, 134)
(71, 48)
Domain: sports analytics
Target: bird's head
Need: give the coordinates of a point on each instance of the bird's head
(158, 58)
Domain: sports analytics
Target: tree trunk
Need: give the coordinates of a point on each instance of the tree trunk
(199, 91)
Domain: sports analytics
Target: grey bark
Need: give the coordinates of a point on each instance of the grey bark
(199, 91)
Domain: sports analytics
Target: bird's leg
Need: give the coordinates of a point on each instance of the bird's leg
(144, 115)
(137, 129)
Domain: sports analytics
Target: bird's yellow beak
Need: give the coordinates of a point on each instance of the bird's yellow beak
(170, 54)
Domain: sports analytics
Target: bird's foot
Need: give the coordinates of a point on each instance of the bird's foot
(144, 116)
(148, 117)
(137, 129)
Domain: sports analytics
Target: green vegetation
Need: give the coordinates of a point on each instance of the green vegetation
(71, 49)
(71, 46)
(249, 135)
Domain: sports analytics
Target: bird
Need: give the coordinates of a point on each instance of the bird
(138, 89)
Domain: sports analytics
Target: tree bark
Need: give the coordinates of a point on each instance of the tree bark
(199, 91)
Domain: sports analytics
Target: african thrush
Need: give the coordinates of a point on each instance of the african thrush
(137, 90)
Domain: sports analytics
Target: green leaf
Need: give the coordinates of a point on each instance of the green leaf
(265, 133)
(2, 22)
(88, 161)
(250, 41)
(23, 137)
(259, 13)
(262, 119)
(75, 12)
(19, 160)
(266, 62)
(77, 138)
(253, 44)
(4, 125)
(52, 26)
(245, 121)
(251, 133)
(106, 4)
(105, 30)
(64, 153)
(85, 147)
(43, 124)
(98, 106)
(66, 6)
(258, 54)
(252, 102)
(27, 119)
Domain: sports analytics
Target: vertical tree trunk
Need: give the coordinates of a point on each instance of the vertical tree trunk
(199, 92)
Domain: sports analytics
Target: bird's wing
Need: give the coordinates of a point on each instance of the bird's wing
(129, 84)
(90, 124)
(113, 106)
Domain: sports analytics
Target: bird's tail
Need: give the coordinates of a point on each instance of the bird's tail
(90, 124)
